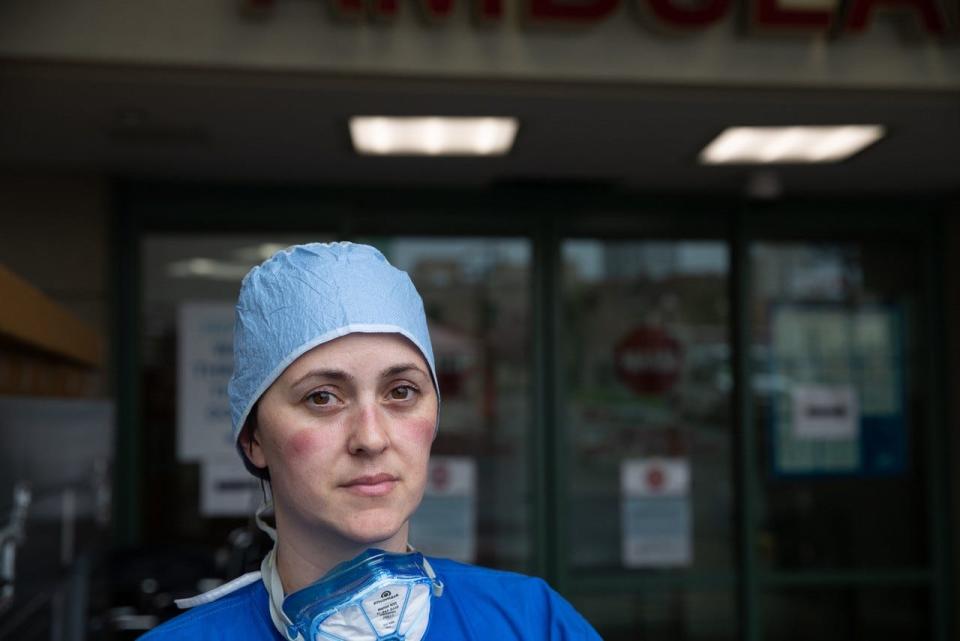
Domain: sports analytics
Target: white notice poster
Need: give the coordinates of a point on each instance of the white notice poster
(825, 412)
(445, 523)
(227, 488)
(656, 513)
(205, 362)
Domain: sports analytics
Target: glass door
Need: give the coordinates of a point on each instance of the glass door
(476, 293)
(747, 437)
(696, 424)
(644, 400)
(840, 403)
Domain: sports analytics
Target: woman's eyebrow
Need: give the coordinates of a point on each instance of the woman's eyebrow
(394, 370)
(332, 374)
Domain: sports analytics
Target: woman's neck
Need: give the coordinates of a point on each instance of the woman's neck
(302, 558)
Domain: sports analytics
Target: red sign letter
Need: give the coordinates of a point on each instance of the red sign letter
(485, 9)
(768, 13)
(926, 10)
(360, 8)
(348, 7)
(434, 9)
(684, 17)
(558, 11)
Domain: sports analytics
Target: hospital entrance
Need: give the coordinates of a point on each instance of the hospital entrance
(692, 418)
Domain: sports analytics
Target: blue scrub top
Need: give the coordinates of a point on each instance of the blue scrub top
(478, 604)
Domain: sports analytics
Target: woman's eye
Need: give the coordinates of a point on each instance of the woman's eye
(402, 393)
(321, 399)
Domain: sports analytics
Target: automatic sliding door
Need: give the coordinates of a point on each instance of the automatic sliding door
(477, 295)
(645, 402)
(840, 406)
(476, 292)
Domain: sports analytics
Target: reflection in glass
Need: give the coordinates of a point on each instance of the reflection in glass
(190, 282)
(645, 399)
(837, 411)
(477, 296)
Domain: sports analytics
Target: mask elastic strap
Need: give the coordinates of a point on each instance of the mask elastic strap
(436, 585)
(271, 581)
(264, 527)
(271, 578)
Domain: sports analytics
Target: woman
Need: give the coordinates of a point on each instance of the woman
(335, 402)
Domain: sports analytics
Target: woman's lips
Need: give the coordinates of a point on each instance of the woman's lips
(372, 485)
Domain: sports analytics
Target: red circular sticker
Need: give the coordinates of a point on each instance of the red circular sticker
(655, 478)
(648, 360)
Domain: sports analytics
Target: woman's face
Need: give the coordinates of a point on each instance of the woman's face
(346, 433)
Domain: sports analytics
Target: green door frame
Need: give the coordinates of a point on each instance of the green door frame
(545, 217)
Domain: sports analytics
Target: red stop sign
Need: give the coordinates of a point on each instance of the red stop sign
(648, 360)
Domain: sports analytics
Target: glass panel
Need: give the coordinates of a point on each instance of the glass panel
(477, 296)
(837, 411)
(842, 614)
(202, 271)
(668, 615)
(645, 401)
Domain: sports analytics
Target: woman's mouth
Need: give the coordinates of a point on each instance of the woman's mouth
(372, 485)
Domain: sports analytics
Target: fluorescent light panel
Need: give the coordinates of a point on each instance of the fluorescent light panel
(432, 136)
(207, 268)
(258, 253)
(798, 144)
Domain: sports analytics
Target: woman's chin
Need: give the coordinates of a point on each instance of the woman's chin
(376, 533)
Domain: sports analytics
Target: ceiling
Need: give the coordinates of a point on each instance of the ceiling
(207, 124)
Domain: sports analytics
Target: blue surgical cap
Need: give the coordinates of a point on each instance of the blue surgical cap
(307, 295)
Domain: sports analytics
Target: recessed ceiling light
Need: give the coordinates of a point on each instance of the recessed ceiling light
(432, 136)
(259, 253)
(798, 144)
(207, 268)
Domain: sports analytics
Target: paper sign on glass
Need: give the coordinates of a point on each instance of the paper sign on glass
(445, 523)
(825, 412)
(227, 488)
(657, 516)
(205, 363)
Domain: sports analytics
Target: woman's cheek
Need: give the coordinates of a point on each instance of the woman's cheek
(304, 444)
(422, 428)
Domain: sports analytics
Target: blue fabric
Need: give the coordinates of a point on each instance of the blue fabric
(478, 604)
(307, 295)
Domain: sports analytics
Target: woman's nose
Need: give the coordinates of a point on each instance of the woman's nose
(369, 434)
